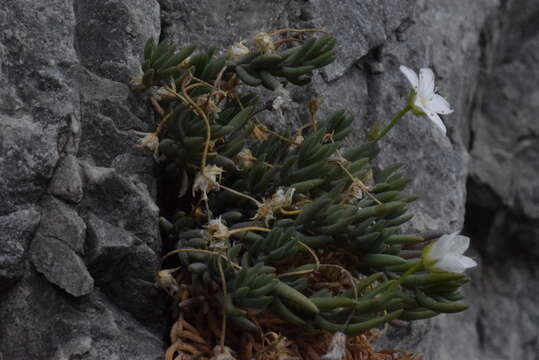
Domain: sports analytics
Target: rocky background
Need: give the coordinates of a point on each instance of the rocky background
(78, 221)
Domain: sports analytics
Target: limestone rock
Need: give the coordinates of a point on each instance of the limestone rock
(61, 265)
(62, 222)
(17, 229)
(40, 321)
(67, 182)
(64, 83)
(110, 34)
(121, 202)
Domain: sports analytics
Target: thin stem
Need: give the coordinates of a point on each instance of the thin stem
(265, 128)
(408, 272)
(360, 183)
(250, 228)
(223, 324)
(393, 122)
(312, 252)
(235, 192)
(290, 212)
(206, 122)
(162, 123)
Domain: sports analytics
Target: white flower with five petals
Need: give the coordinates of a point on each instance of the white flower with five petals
(447, 254)
(425, 101)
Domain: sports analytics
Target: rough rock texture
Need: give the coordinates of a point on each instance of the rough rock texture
(68, 162)
(78, 224)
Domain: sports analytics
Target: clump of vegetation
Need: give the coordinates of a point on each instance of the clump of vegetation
(286, 244)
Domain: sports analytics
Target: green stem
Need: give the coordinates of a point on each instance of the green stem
(408, 272)
(393, 122)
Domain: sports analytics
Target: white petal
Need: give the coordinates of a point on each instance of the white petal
(410, 75)
(426, 83)
(436, 120)
(459, 244)
(450, 263)
(439, 105)
(439, 248)
(467, 262)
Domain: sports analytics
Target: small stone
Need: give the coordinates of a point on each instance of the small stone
(107, 245)
(61, 265)
(66, 182)
(61, 222)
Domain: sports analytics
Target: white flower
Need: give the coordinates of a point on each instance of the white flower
(237, 51)
(446, 254)
(424, 100)
(337, 348)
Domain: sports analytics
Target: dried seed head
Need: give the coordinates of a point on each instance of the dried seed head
(279, 200)
(166, 281)
(217, 229)
(244, 159)
(207, 180)
(237, 50)
(207, 103)
(264, 42)
(355, 191)
(260, 133)
(149, 141)
(282, 98)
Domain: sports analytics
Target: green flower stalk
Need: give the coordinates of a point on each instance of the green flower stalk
(422, 101)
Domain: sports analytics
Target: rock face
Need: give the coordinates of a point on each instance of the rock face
(78, 223)
(73, 184)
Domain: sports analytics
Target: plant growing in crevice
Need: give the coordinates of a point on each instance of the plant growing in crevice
(281, 239)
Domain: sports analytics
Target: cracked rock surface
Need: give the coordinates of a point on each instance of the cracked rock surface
(79, 238)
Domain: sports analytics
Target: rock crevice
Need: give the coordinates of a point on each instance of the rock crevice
(78, 220)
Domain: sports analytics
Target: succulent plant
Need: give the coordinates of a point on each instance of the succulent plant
(297, 226)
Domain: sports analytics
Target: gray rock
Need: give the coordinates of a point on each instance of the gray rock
(28, 156)
(61, 222)
(16, 230)
(122, 203)
(61, 265)
(109, 35)
(220, 24)
(38, 96)
(41, 322)
(123, 267)
(61, 101)
(106, 248)
(505, 127)
(67, 182)
(360, 27)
